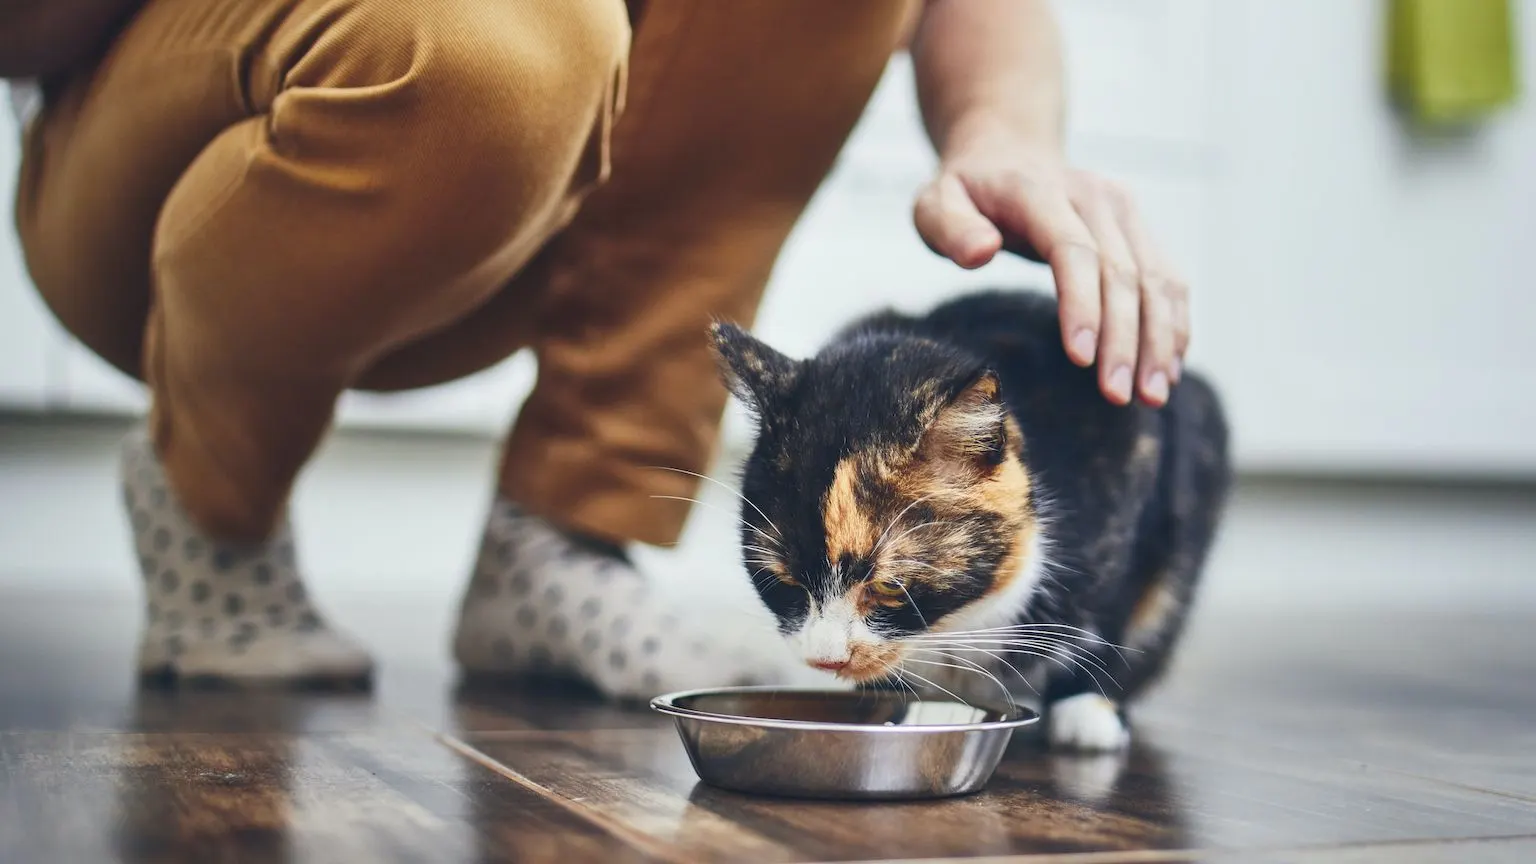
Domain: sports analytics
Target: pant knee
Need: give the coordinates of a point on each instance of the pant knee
(473, 119)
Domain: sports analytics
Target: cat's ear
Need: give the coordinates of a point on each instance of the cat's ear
(972, 432)
(753, 371)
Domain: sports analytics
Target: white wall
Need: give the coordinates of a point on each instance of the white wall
(1375, 293)
(1360, 294)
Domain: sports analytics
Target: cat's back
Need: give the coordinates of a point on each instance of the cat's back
(1074, 428)
(1019, 334)
(1008, 316)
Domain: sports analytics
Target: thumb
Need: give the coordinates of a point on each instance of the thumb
(950, 224)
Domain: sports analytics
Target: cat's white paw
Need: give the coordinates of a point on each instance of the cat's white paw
(1087, 722)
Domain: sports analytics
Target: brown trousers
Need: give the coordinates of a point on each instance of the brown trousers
(257, 205)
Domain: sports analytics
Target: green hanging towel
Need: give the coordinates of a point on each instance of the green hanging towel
(1452, 61)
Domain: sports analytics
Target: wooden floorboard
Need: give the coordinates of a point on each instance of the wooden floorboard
(1314, 740)
(1467, 851)
(1174, 791)
(92, 796)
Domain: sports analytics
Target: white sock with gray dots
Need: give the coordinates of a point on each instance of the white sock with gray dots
(543, 602)
(219, 611)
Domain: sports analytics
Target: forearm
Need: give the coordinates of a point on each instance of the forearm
(989, 67)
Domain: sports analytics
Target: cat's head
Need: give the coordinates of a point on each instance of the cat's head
(886, 496)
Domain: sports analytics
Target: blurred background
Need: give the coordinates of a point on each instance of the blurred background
(1364, 298)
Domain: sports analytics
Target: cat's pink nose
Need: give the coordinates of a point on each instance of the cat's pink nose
(829, 665)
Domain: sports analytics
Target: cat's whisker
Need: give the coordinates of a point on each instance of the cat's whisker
(1032, 641)
(1059, 658)
(915, 695)
(768, 554)
(919, 527)
(972, 668)
(1056, 658)
(1012, 668)
(875, 550)
(1067, 631)
(1064, 648)
(1030, 625)
(905, 671)
(1042, 644)
(939, 570)
(1034, 625)
(1033, 630)
(939, 651)
(728, 488)
(914, 605)
(1048, 637)
(761, 573)
(1045, 644)
(718, 509)
(1020, 675)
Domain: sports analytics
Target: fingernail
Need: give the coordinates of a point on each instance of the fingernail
(1120, 383)
(1176, 370)
(1084, 344)
(1157, 388)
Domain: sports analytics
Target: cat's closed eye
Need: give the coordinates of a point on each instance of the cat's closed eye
(888, 591)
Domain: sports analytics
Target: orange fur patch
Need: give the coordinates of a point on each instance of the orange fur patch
(1153, 607)
(868, 661)
(850, 530)
(948, 474)
(949, 479)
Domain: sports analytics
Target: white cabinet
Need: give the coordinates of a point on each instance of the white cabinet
(1373, 301)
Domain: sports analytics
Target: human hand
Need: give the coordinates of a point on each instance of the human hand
(1121, 301)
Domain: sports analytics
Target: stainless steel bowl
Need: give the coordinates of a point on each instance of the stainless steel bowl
(809, 743)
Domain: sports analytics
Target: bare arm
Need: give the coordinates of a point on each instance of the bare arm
(989, 82)
(989, 63)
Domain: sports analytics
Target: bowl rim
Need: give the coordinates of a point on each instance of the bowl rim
(667, 704)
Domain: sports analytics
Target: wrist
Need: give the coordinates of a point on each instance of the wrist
(989, 133)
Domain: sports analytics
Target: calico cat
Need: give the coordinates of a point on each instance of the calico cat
(951, 493)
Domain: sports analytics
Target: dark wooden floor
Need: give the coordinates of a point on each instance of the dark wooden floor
(1317, 740)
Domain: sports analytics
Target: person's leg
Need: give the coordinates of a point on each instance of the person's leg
(269, 196)
(736, 112)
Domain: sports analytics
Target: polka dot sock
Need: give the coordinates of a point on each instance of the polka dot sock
(219, 611)
(544, 602)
